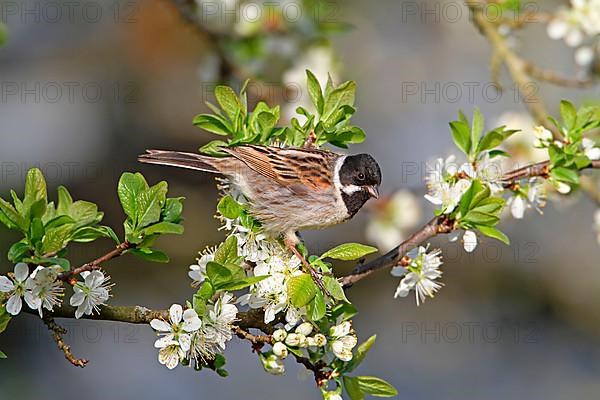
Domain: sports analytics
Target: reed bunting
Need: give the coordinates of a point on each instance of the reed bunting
(289, 189)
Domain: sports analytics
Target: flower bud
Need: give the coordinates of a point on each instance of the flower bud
(542, 133)
(303, 342)
(272, 364)
(304, 328)
(280, 350)
(320, 340)
(293, 339)
(279, 335)
(310, 341)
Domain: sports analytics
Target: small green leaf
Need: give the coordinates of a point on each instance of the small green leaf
(316, 308)
(314, 91)
(4, 318)
(352, 388)
(341, 96)
(301, 290)
(151, 255)
(150, 203)
(64, 201)
(227, 252)
(172, 210)
(56, 239)
(229, 101)
(229, 208)
(217, 273)
(334, 288)
(240, 284)
(2, 355)
(476, 127)
(212, 123)
(35, 187)
(568, 114)
(18, 251)
(461, 135)
(493, 233)
(490, 141)
(163, 227)
(360, 353)
(130, 187)
(206, 291)
(213, 148)
(565, 175)
(349, 251)
(376, 386)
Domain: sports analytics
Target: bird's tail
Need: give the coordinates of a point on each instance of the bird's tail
(179, 159)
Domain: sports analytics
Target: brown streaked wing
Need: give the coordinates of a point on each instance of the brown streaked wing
(289, 167)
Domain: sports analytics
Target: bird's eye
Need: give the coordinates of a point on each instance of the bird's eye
(361, 176)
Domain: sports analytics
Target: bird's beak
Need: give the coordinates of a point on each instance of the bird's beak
(373, 191)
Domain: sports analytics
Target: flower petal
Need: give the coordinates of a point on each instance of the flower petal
(175, 313)
(6, 285)
(21, 272)
(14, 304)
(160, 325)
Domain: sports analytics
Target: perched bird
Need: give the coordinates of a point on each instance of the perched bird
(289, 189)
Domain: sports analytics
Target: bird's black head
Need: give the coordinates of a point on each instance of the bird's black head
(360, 177)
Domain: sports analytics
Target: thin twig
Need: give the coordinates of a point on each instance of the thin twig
(57, 334)
(97, 263)
(553, 77)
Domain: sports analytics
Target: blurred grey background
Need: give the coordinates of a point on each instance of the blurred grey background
(511, 322)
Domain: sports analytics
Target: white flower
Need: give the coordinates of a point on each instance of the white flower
(590, 150)
(445, 188)
(46, 290)
(280, 350)
(343, 340)
(90, 294)
(175, 335)
(221, 317)
(543, 135)
(392, 218)
(534, 195)
(584, 56)
(197, 271)
(423, 271)
(17, 288)
(293, 340)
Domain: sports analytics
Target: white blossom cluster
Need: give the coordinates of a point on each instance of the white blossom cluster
(579, 27)
(187, 337)
(42, 289)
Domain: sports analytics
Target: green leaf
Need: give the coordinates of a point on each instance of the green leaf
(206, 291)
(568, 114)
(490, 141)
(344, 311)
(229, 208)
(163, 227)
(476, 127)
(212, 123)
(148, 254)
(349, 251)
(461, 135)
(229, 101)
(36, 230)
(301, 290)
(316, 308)
(213, 148)
(314, 91)
(565, 175)
(172, 210)
(56, 239)
(35, 188)
(149, 204)
(376, 386)
(64, 201)
(217, 274)
(88, 234)
(18, 251)
(342, 95)
(360, 353)
(10, 217)
(84, 213)
(493, 233)
(480, 218)
(240, 284)
(334, 288)
(352, 388)
(227, 252)
(130, 187)
(2, 355)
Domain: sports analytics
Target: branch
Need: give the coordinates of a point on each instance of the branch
(439, 225)
(57, 333)
(552, 77)
(97, 263)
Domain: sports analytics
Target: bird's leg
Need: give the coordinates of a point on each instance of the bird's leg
(291, 244)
